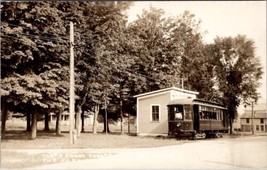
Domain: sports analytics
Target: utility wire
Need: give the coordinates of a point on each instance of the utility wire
(13, 37)
(39, 37)
(64, 36)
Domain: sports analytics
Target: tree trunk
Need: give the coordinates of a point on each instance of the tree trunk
(231, 125)
(34, 125)
(121, 116)
(121, 123)
(96, 111)
(28, 126)
(129, 124)
(58, 123)
(78, 120)
(106, 126)
(46, 128)
(82, 121)
(3, 119)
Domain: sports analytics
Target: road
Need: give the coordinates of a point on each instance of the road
(224, 153)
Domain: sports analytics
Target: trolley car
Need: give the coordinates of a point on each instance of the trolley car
(194, 118)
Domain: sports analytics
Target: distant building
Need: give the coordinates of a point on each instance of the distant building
(88, 120)
(256, 121)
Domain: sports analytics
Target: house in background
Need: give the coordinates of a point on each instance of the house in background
(88, 120)
(152, 111)
(256, 121)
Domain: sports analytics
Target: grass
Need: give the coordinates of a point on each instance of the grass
(17, 138)
(18, 151)
(48, 140)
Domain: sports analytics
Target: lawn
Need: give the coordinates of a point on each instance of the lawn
(18, 151)
(17, 138)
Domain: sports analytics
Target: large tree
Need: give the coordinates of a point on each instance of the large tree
(170, 49)
(33, 57)
(194, 66)
(237, 71)
(99, 53)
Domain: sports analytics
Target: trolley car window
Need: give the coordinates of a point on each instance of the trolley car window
(187, 112)
(178, 112)
(211, 113)
(178, 115)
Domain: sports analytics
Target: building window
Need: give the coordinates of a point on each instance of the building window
(257, 127)
(262, 121)
(247, 120)
(155, 112)
(262, 127)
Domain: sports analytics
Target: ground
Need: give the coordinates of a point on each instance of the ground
(115, 151)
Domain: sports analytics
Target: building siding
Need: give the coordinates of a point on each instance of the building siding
(145, 125)
(247, 127)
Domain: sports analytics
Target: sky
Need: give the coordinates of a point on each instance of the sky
(223, 19)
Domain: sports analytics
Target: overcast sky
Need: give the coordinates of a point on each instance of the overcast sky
(221, 18)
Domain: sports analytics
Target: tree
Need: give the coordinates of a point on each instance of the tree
(101, 55)
(237, 71)
(166, 48)
(148, 34)
(194, 65)
(33, 57)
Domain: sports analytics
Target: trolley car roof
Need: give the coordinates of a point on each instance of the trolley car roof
(190, 101)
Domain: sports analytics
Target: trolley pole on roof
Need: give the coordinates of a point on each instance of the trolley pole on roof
(71, 97)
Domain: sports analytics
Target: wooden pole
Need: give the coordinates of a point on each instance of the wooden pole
(71, 103)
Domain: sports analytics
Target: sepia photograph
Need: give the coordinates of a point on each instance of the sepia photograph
(133, 85)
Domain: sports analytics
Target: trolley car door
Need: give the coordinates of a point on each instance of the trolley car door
(196, 117)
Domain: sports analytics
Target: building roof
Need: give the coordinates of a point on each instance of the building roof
(191, 101)
(260, 111)
(256, 115)
(166, 90)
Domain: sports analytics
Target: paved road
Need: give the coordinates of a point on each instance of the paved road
(244, 152)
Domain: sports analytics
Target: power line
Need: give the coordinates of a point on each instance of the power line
(39, 37)
(37, 30)
(13, 37)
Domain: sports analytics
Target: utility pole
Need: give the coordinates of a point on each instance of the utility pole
(71, 102)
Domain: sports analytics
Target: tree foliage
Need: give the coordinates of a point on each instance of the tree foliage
(237, 71)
